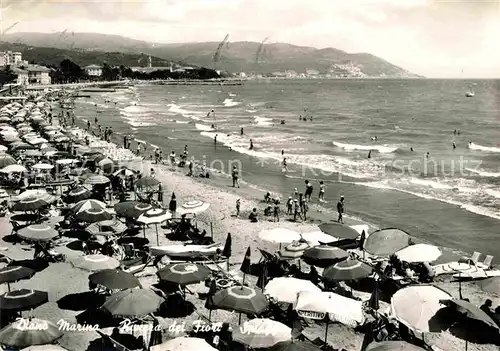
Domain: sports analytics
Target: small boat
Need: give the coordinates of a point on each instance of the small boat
(186, 250)
(470, 93)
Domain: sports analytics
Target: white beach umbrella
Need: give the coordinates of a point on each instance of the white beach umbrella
(66, 161)
(193, 207)
(285, 289)
(13, 169)
(419, 253)
(261, 333)
(184, 344)
(43, 166)
(38, 141)
(154, 216)
(3, 148)
(316, 238)
(31, 193)
(279, 235)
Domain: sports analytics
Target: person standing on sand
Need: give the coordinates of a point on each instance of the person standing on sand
(235, 176)
(276, 210)
(296, 211)
(321, 196)
(238, 203)
(241, 131)
(340, 209)
(309, 191)
(215, 140)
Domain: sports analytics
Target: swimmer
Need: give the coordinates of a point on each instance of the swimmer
(300, 118)
(251, 145)
(241, 131)
(427, 154)
(215, 139)
(411, 149)
(285, 168)
(454, 146)
(455, 132)
(374, 138)
(282, 152)
(311, 118)
(370, 154)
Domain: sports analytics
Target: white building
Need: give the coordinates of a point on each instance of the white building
(22, 77)
(93, 70)
(10, 58)
(38, 74)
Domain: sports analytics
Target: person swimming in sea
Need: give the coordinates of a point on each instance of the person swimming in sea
(300, 118)
(282, 121)
(285, 167)
(370, 154)
(427, 154)
(411, 149)
(454, 146)
(374, 138)
(311, 118)
(251, 145)
(215, 140)
(282, 152)
(241, 131)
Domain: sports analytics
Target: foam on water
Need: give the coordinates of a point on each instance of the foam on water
(203, 127)
(230, 103)
(484, 173)
(263, 121)
(478, 147)
(383, 149)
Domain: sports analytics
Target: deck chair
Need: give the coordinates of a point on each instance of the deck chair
(16, 226)
(475, 257)
(45, 253)
(116, 345)
(486, 264)
(130, 252)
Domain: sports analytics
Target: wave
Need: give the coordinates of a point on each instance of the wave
(484, 173)
(383, 149)
(232, 94)
(230, 103)
(141, 124)
(478, 147)
(204, 127)
(251, 111)
(181, 111)
(135, 109)
(181, 122)
(263, 121)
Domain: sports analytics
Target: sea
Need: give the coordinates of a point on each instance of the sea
(433, 169)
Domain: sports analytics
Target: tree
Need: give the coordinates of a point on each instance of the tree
(109, 73)
(7, 76)
(71, 71)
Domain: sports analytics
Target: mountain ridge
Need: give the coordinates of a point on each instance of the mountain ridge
(241, 56)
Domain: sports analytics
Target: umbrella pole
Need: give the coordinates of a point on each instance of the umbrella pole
(239, 319)
(211, 230)
(326, 330)
(144, 230)
(210, 315)
(157, 240)
(8, 287)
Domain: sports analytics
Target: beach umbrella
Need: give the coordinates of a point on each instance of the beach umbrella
(3, 149)
(17, 119)
(262, 333)
(147, 182)
(319, 304)
(193, 207)
(4, 119)
(172, 205)
(96, 262)
(23, 300)
(154, 216)
(32, 193)
(124, 172)
(48, 347)
(279, 235)
(14, 169)
(184, 344)
(490, 285)
(338, 230)
(30, 204)
(419, 253)
(133, 303)
(113, 226)
(11, 274)
(38, 232)
(78, 194)
(294, 346)
(471, 311)
(33, 153)
(347, 270)
(96, 179)
(386, 242)
(416, 305)
(88, 205)
(66, 161)
(317, 238)
(38, 141)
(114, 279)
(61, 139)
(393, 346)
(293, 251)
(28, 332)
(7, 161)
(43, 166)
(106, 162)
(286, 289)
(93, 215)
(324, 255)
(242, 299)
(131, 209)
(184, 273)
(51, 128)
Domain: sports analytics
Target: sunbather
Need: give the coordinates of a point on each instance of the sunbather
(253, 217)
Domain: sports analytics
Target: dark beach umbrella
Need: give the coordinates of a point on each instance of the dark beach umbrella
(133, 303)
(34, 331)
(11, 274)
(338, 230)
(30, 204)
(131, 209)
(263, 278)
(156, 336)
(362, 239)
(369, 335)
(172, 205)
(347, 270)
(241, 299)
(97, 179)
(324, 255)
(226, 252)
(393, 346)
(112, 226)
(38, 232)
(294, 346)
(78, 194)
(93, 215)
(114, 279)
(471, 311)
(23, 300)
(373, 302)
(147, 182)
(386, 242)
(209, 303)
(184, 273)
(6, 161)
(490, 285)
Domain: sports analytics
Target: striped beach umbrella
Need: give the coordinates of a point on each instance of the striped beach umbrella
(386, 242)
(87, 205)
(154, 216)
(93, 215)
(347, 270)
(131, 209)
(11, 274)
(184, 343)
(28, 332)
(78, 194)
(184, 273)
(96, 262)
(193, 207)
(242, 299)
(7, 161)
(30, 204)
(97, 179)
(23, 300)
(38, 232)
(133, 303)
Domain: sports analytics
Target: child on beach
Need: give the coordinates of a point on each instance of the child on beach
(237, 207)
(321, 196)
(340, 209)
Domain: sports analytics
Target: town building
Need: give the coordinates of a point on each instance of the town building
(22, 77)
(10, 58)
(93, 70)
(32, 75)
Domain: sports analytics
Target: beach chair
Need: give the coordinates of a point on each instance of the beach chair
(475, 257)
(116, 345)
(486, 264)
(130, 252)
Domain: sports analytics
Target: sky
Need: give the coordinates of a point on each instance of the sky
(435, 38)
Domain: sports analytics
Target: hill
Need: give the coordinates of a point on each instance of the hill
(53, 56)
(235, 56)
